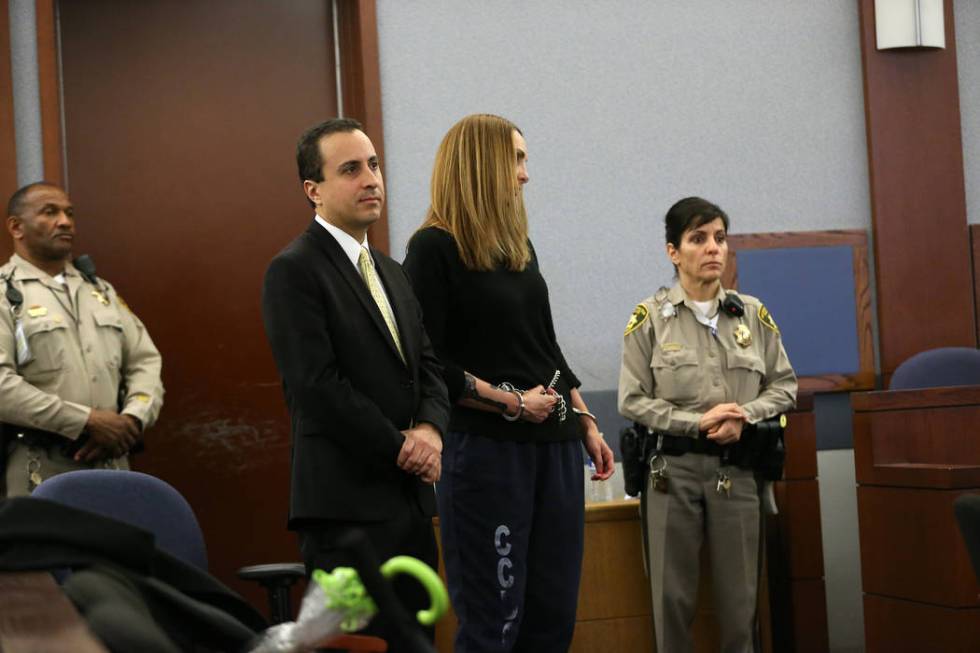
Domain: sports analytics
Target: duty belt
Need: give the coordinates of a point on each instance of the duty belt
(678, 445)
(761, 448)
(30, 437)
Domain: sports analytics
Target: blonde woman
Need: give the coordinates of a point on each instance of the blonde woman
(511, 496)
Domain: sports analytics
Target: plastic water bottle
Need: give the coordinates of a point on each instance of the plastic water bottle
(592, 491)
(597, 491)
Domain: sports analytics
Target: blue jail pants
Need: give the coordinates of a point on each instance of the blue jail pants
(511, 523)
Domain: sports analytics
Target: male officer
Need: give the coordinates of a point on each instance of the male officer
(79, 374)
(366, 398)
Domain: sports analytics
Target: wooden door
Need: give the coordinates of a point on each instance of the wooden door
(180, 126)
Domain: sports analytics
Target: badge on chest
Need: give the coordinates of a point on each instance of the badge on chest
(743, 337)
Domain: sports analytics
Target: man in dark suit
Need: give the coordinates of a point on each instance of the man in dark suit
(364, 389)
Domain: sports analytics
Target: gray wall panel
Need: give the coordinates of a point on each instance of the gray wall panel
(27, 96)
(628, 106)
(968, 66)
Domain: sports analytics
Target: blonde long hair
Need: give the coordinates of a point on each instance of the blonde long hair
(476, 196)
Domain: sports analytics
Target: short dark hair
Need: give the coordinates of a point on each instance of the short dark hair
(15, 206)
(308, 159)
(690, 213)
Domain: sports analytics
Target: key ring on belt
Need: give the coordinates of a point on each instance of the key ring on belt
(657, 456)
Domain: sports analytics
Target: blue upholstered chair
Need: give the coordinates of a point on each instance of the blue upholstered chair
(135, 498)
(156, 506)
(937, 368)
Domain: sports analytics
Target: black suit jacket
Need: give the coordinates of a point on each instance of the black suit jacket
(349, 393)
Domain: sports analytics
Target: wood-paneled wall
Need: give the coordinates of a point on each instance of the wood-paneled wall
(360, 73)
(49, 83)
(918, 201)
(181, 163)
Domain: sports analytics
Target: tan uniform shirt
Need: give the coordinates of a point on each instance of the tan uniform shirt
(84, 345)
(675, 368)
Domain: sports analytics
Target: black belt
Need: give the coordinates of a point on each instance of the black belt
(678, 445)
(29, 437)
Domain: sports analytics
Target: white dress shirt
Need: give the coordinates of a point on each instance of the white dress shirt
(352, 249)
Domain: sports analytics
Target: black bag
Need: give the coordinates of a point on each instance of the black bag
(179, 602)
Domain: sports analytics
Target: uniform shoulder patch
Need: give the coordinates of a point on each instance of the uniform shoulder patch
(640, 314)
(766, 318)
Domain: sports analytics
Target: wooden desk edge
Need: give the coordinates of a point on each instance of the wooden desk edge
(950, 396)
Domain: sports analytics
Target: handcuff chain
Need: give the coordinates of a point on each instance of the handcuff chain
(507, 386)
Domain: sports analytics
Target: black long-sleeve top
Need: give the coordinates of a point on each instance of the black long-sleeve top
(497, 326)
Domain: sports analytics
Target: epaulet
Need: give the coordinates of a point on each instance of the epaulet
(664, 307)
(748, 300)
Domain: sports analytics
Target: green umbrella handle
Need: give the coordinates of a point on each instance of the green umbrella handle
(429, 579)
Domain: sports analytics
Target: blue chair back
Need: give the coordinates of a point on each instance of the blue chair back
(137, 499)
(938, 368)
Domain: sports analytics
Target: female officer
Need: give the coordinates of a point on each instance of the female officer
(698, 367)
(510, 497)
